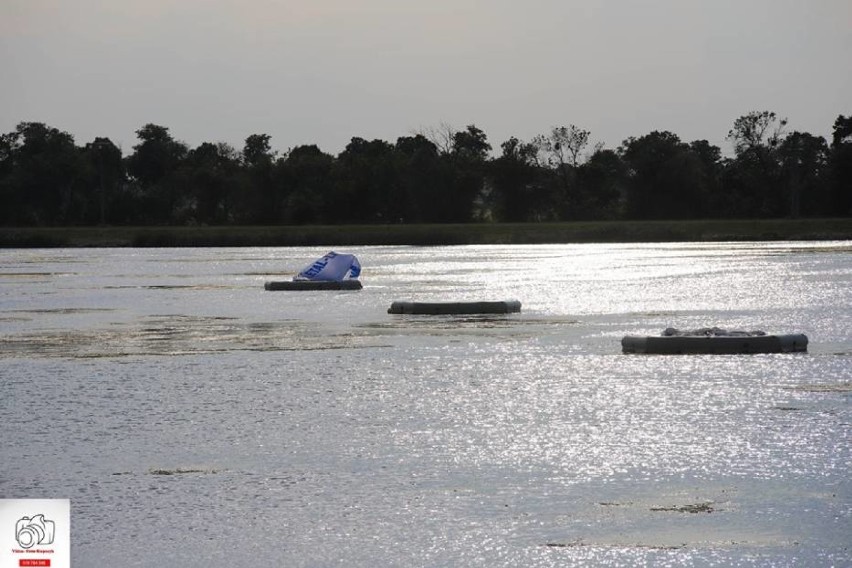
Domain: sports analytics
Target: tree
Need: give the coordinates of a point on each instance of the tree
(441, 137)
(156, 156)
(257, 150)
(11, 195)
(154, 169)
(841, 167)
(366, 185)
(753, 177)
(422, 174)
(560, 149)
(305, 178)
(601, 186)
(516, 193)
(757, 129)
(471, 144)
(468, 165)
(663, 177)
(212, 184)
(804, 161)
(563, 145)
(709, 183)
(105, 161)
(43, 171)
(258, 202)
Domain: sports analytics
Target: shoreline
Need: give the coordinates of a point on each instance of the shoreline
(430, 235)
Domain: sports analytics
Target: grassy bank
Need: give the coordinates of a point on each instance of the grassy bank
(484, 233)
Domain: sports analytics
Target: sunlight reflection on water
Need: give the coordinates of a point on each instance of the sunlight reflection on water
(172, 398)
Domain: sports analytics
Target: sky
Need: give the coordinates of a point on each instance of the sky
(324, 71)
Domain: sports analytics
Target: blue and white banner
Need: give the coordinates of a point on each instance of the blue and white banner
(333, 266)
(35, 532)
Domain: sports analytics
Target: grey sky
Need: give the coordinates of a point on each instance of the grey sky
(323, 71)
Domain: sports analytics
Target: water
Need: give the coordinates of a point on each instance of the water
(195, 419)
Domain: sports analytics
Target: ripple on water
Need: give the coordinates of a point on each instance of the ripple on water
(175, 401)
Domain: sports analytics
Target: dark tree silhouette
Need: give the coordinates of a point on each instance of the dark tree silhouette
(804, 164)
(42, 167)
(840, 192)
(753, 177)
(211, 173)
(515, 188)
(108, 175)
(305, 179)
(422, 174)
(154, 173)
(467, 162)
(45, 179)
(560, 149)
(366, 188)
(662, 173)
(601, 186)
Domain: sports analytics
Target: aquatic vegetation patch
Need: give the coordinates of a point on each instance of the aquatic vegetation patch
(174, 335)
(706, 507)
(34, 274)
(172, 287)
(844, 387)
(64, 311)
(175, 471)
(507, 326)
(581, 543)
(181, 471)
(14, 319)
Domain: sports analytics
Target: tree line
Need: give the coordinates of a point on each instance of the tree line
(441, 175)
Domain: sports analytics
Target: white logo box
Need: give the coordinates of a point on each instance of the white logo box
(35, 533)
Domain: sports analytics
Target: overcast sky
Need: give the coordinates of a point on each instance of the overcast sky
(323, 71)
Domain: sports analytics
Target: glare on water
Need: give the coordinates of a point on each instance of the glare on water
(206, 421)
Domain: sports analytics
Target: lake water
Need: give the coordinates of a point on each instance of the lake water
(195, 419)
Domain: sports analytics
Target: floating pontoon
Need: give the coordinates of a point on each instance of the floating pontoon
(313, 285)
(439, 308)
(714, 341)
(334, 271)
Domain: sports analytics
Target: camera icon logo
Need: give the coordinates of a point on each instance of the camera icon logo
(30, 531)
